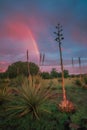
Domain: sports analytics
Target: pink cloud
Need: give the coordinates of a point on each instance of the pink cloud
(15, 30)
(17, 26)
(3, 66)
(2, 70)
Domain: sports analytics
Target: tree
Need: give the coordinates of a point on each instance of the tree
(54, 73)
(66, 73)
(45, 75)
(19, 68)
(59, 75)
(34, 69)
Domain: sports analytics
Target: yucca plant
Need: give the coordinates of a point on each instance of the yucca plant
(31, 99)
(5, 98)
(5, 95)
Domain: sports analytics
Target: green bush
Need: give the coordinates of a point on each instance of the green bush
(78, 82)
(85, 80)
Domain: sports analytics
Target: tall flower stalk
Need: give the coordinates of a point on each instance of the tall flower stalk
(59, 38)
(80, 68)
(28, 68)
(65, 105)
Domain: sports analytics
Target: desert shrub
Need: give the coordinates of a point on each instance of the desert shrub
(78, 82)
(85, 80)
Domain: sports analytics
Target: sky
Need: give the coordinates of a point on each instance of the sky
(30, 25)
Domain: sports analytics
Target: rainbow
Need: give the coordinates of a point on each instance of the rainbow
(34, 42)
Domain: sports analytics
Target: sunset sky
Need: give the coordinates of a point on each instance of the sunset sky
(29, 24)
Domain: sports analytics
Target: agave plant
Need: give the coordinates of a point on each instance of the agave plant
(31, 99)
(5, 98)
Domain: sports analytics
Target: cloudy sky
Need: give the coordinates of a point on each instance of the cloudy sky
(29, 24)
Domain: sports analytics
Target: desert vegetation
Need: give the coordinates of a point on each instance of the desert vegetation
(27, 106)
